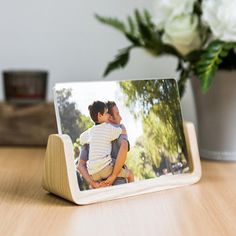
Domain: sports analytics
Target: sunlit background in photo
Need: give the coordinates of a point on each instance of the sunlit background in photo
(85, 93)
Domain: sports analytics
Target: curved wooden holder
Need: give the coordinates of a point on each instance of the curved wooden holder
(59, 173)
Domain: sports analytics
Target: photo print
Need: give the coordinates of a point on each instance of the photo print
(136, 121)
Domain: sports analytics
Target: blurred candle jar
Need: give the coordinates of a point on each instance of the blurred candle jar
(25, 86)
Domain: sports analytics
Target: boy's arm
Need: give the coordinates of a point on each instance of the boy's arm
(123, 129)
(116, 131)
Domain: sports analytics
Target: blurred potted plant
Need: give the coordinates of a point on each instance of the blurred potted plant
(201, 34)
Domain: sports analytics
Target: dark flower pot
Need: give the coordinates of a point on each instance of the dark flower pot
(25, 87)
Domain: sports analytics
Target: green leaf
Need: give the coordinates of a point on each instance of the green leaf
(179, 66)
(184, 75)
(148, 18)
(209, 61)
(230, 45)
(120, 60)
(215, 46)
(115, 23)
(144, 31)
(138, 16)
(133, 39)
(141, 32)
(132, 26)
(204, 63)
(168, 49)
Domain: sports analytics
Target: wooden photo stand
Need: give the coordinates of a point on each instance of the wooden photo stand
(60, 178)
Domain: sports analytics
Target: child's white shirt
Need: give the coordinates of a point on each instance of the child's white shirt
(99, 138)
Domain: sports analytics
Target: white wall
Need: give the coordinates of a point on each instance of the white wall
(64, 38)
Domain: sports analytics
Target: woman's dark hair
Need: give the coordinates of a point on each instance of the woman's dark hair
(95, 108)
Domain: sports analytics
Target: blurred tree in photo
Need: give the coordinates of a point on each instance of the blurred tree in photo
(139, 161)
(73, 122)
(157, 103)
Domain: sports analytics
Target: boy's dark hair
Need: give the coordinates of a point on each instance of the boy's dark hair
(110, 105)
(95, 108)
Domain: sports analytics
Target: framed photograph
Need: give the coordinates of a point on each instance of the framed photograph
(134, 127)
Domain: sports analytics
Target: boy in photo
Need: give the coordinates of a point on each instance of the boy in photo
(100, 163)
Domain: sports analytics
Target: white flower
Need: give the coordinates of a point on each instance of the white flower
(220, 15)
(182, 33)
(168, 9)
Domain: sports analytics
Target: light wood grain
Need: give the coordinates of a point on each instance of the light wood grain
(59, 175)
(206, 208)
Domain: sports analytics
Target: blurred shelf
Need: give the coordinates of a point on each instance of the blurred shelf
(27, 125)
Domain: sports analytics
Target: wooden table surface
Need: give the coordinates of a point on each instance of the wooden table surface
(206, 208)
